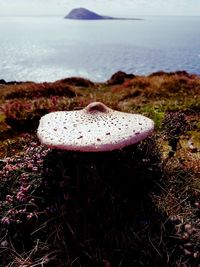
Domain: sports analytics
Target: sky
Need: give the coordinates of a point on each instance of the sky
(104, 7)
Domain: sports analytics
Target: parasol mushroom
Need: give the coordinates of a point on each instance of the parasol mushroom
(92, 129)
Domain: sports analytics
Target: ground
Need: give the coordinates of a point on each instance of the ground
(138, 206)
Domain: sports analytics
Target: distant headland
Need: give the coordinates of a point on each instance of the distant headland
(85, 14)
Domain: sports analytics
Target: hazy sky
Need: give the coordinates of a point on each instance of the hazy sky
(106, 7)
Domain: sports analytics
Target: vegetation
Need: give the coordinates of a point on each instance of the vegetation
(138, 206)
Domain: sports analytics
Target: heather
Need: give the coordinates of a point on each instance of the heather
(138, 206)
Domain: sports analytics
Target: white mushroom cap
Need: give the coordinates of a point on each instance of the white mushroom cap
(94, 128)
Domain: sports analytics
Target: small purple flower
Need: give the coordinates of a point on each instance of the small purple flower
(9, 198)
(5, 220)
(35, 169)
(29, 216)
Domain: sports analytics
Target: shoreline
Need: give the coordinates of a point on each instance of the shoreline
(118, 73)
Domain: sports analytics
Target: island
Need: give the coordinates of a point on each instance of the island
(85, 14)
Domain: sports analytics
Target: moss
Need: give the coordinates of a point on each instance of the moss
(155, 112)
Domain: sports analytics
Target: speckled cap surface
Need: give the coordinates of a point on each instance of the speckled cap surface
(92, 129)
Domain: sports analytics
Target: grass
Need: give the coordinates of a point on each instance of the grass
(138, 206)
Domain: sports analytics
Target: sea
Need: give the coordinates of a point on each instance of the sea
(50, 48)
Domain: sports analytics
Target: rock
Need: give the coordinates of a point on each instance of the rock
(76, 81)
(3, 81)
(119, 78)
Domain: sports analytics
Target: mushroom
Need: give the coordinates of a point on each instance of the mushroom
(83, 183)
(92, 129)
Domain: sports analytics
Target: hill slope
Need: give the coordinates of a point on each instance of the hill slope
(83, 13)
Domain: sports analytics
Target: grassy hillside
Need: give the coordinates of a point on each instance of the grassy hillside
(138, 206)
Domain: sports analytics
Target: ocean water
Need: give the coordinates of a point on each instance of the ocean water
(51, 48)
